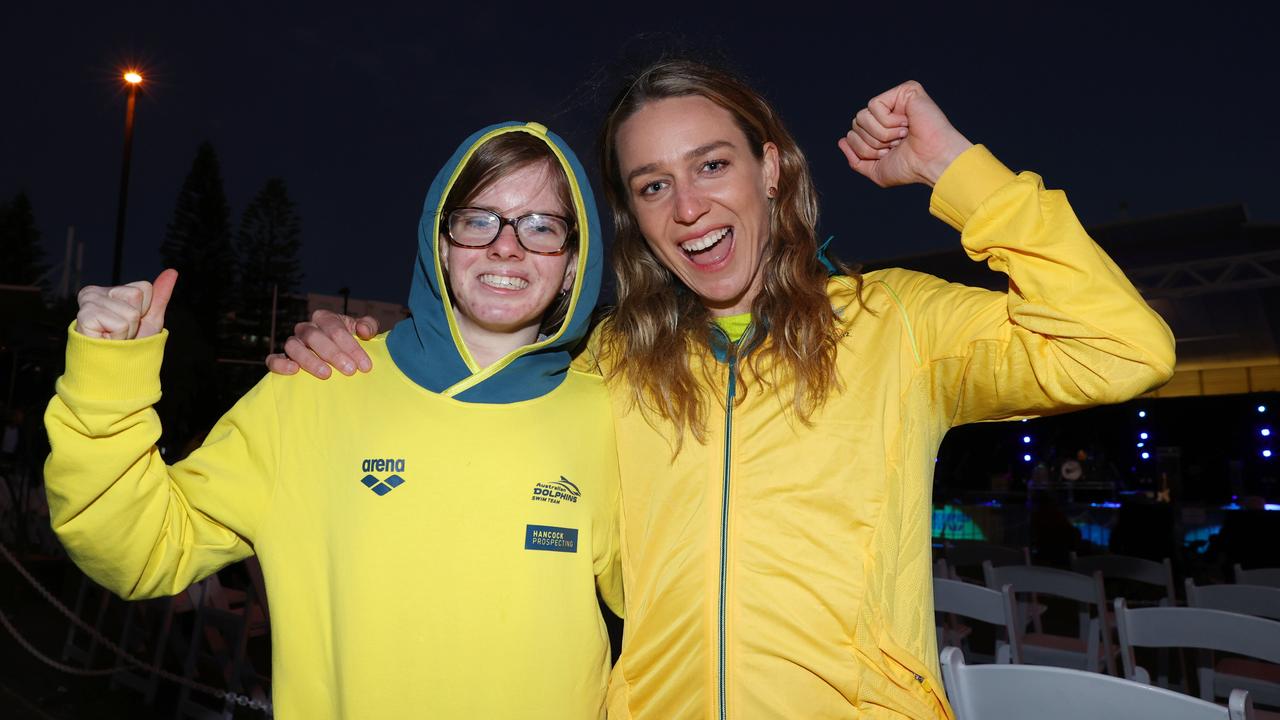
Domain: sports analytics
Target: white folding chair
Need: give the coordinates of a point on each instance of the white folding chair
(1090, 649)
(994, 607)
(1130, 569)
(970, 555)
(1256, 600)
(1119, 574)
(1258, 576)
(982, 692)
(1203, 629)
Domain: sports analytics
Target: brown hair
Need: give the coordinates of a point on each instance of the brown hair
(504, 154)
(659, 323)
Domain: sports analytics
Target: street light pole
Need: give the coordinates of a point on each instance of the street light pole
(134, 80)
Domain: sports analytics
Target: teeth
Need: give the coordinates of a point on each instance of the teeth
(504, 282)
(705, 241)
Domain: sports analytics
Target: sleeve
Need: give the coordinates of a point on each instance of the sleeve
(136, 526)
(1071, 331)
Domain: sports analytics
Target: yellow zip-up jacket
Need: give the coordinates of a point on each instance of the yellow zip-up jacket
(433, 534)
(782, 570)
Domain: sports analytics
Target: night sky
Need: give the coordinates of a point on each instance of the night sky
(1133, 113)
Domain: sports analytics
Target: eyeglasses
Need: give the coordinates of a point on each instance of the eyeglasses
(539, 233)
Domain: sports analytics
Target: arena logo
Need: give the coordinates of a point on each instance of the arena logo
(557, 492)
(381, 486)
(373, 465)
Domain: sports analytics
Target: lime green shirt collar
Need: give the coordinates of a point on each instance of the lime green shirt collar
(734, 325)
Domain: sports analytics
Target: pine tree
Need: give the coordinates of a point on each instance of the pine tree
(20, 253)
(268, 242)
(198, 244)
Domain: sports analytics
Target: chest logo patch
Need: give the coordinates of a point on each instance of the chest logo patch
(382, 485)
(548, 537)
(560, 491)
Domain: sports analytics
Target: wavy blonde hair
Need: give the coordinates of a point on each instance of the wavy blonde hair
(655, 338)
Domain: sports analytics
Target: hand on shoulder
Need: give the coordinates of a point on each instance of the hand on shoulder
(323, 342)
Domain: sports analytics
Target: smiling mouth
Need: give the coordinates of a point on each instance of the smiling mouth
(503, 282)
(709, 249)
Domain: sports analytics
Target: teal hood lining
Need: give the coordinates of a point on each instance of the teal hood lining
(427, 347)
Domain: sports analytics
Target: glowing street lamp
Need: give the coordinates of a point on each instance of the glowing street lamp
(133, 79)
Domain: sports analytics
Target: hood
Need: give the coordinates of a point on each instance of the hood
(428, 347)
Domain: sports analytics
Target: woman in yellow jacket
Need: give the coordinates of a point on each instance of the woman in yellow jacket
(777, 422)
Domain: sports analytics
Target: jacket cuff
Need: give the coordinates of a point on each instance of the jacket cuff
(110, 370)
(970, 179)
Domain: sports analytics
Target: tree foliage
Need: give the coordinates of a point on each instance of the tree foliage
(268, 243)
(198, 243)
(21, 257)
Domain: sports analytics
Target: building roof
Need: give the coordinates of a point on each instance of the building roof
(1211, 274)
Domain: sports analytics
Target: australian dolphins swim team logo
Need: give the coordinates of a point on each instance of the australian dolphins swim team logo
(382, 486)
(559, 491)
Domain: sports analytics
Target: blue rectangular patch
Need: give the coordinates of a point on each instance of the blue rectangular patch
(547, 537)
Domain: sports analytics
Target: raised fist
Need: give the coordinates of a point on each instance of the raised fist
(902, 137)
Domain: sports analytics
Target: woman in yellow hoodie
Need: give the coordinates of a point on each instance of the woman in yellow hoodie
(433, 534)
(778, 416)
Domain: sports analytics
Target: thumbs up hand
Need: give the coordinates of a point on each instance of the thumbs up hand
(125, 312)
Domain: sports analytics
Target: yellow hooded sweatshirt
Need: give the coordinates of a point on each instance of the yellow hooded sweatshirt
(433, 534)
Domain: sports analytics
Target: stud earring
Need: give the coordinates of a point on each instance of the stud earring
(773, 192)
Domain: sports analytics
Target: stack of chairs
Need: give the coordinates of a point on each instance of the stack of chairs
(1234, 630)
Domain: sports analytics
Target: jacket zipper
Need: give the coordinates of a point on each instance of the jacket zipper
(921, 680)
(724, 520)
